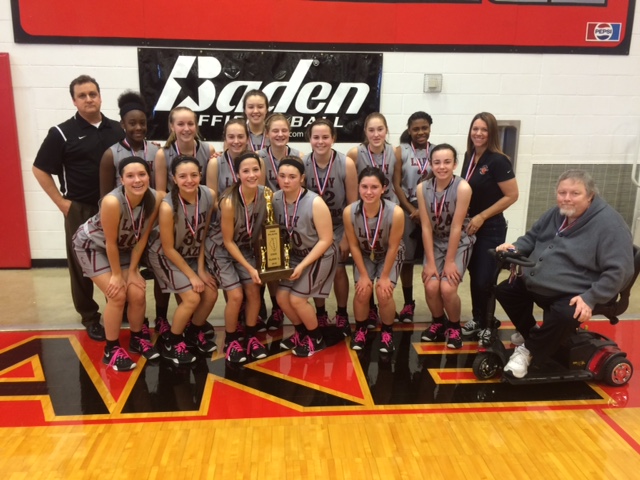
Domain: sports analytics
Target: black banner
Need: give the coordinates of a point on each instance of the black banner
(342, 87)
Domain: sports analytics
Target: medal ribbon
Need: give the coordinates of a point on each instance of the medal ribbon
(230, 162)
(295, 212)
(322, 186)
(195, 148)
(438, 206)
(248, 217)
(273, 159)
(193, 228)
(472, 167)
(373, 162)
(376, 233)
(136, 231)
(144, 148)
(565, 225)
(253, 147)
(423, 166)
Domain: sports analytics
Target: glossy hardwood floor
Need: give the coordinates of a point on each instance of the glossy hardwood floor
(418, 414)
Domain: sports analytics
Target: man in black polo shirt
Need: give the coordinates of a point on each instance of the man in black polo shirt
(72, 151)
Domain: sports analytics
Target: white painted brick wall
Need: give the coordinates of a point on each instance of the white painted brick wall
(572, 108)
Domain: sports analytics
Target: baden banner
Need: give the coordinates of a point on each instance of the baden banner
(561, 26)
(343, 87)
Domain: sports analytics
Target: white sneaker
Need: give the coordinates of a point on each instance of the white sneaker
(519, 362)
(484, 337)
(470, 328)
(517, 338)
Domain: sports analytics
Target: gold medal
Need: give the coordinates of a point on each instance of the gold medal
(372, 256)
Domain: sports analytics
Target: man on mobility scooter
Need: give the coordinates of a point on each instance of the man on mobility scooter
(583, 254)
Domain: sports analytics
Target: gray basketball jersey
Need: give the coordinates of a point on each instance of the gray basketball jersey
(226, 174)
(385, 161)
(121, 151)
(441, 207)
(257, 215)
(415, 168)
(258, 142)
(203, 152)
(185, 242)
(271, 164)
(382, 242)
(304, 234)
(333, 188)
(92, 234)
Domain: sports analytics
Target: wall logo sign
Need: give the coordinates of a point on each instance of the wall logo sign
(512, 26)
(341, 87)
(603, 32)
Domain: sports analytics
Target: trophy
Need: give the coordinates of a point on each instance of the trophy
(274, 251)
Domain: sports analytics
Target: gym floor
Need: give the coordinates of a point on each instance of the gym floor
(417, 414)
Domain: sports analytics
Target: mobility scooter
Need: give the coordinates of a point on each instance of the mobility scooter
(584, 356)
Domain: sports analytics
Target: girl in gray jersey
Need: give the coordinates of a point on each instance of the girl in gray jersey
(373, 227)
(443, 202)
(255, 106)
(231, 246)
(333, 176)
(277, 128)
(376, 152)
(306, 221)
(412, 167)
(109, 247)
(221, 174)
(133, 119)
(183, 140)
(176, 254)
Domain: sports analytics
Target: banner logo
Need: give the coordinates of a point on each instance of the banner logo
(603, 32)
(344, 88)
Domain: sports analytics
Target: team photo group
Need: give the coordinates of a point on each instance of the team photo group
(191, 219)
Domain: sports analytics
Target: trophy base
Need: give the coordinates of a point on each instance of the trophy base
(276, 274)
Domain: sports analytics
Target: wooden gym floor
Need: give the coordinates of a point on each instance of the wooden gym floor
(419, 414)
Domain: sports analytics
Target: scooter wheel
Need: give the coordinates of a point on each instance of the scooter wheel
(486, 365)
(617, 371)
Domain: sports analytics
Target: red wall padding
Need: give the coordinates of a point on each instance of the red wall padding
(14, 235)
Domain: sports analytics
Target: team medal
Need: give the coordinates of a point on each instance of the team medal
(286, 213)
(322, 186)
(422, 167)
(438, 206)
(248, 217)
(376, 233)
(193, 227)
(136, 231)
(230, 162)
(374, 163)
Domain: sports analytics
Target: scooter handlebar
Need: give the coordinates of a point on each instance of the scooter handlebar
(512, 257)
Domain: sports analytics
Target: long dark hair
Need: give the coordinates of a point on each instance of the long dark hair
(149, 199)
(233, 191)
(175, 190)
(371, 171)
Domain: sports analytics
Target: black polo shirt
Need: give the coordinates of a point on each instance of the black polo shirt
(492, 168)
(73, 150)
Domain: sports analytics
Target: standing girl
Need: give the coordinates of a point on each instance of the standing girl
(231, 246)
(443, 202)
(133, 120)
(307, 223)
(183, 140)
(374, 228)
(376, 152)
(176, 255)
(109, 247)
(255, 106)
(490, 174)
(278, 129)
(332, 176)
(412, 168)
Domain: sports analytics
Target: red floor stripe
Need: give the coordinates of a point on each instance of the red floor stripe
(619, 430)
